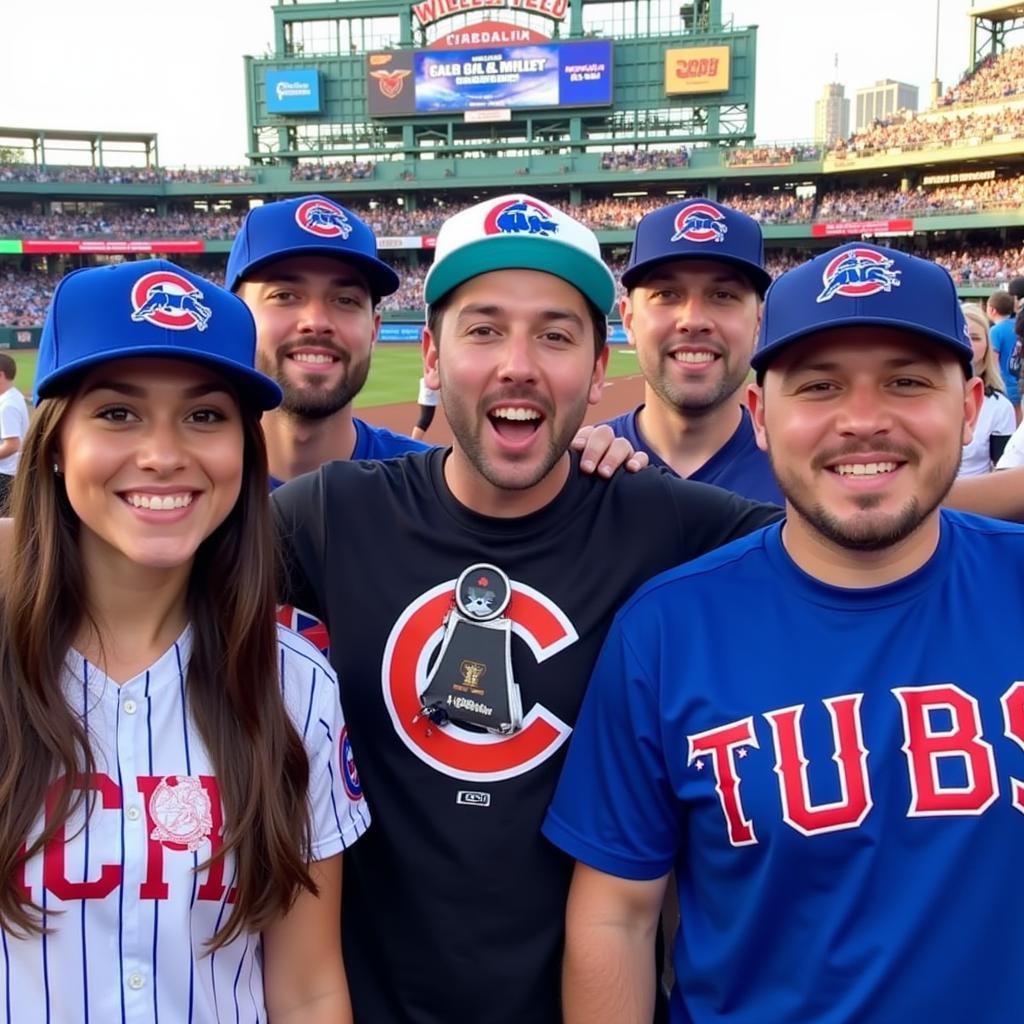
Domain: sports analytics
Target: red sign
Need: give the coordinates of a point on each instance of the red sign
(488, 33)
(429, 11)
(863, 227)
(110, 246)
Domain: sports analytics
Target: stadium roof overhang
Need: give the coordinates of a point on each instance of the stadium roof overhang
(997, 12)
(77, 136)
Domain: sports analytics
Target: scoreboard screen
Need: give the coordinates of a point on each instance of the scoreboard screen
(575, 74)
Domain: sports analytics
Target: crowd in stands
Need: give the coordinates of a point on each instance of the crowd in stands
(645, 159)
(604, 214)
(24, 296)
(124, 175)
(337, 170)
(757, 156)
(909, 130)
(997, 77)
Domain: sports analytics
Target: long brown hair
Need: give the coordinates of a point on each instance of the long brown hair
(233, 686)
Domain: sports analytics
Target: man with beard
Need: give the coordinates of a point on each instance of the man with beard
(308, 270)
(467, 591)
(694, 284)
(831, 790)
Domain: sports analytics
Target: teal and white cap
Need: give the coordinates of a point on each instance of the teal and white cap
(519, 232)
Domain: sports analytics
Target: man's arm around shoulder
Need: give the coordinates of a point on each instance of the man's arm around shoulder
(609, 969)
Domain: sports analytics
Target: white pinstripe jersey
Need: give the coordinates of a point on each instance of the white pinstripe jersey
(129, 943)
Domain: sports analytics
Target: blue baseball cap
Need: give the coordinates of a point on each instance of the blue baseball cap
(148, 308)
(698, 229)
(858, 284)
(518, 232)
(307, 226)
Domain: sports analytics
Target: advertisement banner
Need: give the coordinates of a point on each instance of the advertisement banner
(109, 246)
(696, 69)
(487, 33)
(293, 92)
(863, 227)
(577, 74)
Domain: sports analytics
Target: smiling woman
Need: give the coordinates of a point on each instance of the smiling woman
(141, 665)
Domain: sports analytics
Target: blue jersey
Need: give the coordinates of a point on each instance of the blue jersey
(1003, 339)
(374, 443)
(834, 774)
(738, 466)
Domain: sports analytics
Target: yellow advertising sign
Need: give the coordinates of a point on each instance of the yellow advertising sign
(696, 69)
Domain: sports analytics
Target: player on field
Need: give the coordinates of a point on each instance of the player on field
(694, 284)
(177, 781)
(466, 592)
(837, 793)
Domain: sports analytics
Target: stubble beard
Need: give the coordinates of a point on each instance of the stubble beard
(469, 438)
(316, 400)
(875, 534)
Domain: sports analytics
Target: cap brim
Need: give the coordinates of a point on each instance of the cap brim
(758, 276)
(761, 360)
(255, 389)
(504, 252)
(379, 276)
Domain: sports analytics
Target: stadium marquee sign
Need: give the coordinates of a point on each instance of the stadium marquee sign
(428, 12)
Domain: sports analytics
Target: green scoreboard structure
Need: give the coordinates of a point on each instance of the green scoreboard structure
(491, 89)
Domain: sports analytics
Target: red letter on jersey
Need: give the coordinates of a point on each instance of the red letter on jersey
(925, 748)
(1013, 716)
(850, 755)
(54, 871)
(719, 745)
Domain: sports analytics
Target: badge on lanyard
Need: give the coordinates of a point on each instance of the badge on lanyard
(471, 682)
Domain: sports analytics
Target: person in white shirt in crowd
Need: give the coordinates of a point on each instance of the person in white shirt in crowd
(997, 420)
(13, 425)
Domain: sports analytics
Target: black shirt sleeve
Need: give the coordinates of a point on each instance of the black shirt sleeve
(302, 541)
(710, 516)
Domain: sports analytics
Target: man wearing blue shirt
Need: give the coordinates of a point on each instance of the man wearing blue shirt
(1001, 310)
(695, 282)
(834, 777)
(308, 270)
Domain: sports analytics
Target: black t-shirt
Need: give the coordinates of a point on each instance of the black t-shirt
(453, 901)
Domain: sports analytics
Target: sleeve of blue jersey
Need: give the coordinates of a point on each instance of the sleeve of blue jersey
(614, 808)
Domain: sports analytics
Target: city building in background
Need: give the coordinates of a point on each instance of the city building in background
(882, 100)
(831, 115)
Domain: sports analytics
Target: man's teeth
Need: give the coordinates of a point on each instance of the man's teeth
(865, 468)
(694, 357)
(516, 414)
(312, 357)
(160, 502)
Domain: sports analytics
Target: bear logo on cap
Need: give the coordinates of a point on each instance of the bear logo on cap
(323, 218)
(167, 299)
(520, 217)
(700, 222)
(856, 273)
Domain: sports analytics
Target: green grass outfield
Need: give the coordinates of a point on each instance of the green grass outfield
(394, 373)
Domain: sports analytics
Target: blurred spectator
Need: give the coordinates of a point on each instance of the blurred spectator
(770, 155)
(125, 175)
(645, 159)
(996, 77)
(908, 130)
(337, 170)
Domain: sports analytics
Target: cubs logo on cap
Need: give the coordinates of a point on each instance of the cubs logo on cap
(322, 217)
(698, 229)
(862, 285)
(519, 232)
(520, 216)
(149, 308)
(310, 225)
(856, 273)
(700, 222)
(167, 299)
